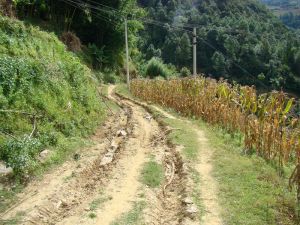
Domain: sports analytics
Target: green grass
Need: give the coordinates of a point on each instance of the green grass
(133, 217)
(250, 190)
(92, 215)
(109, 105)
(123, 90)
(95, 204)
(186, 136)
(38, 75)
(152, 174)
(196, 195)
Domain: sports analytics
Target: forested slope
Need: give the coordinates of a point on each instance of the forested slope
(46, 94)
(238, 40)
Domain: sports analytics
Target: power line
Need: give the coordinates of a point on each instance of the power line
(83, 5)
(160, 24)
(105, 6)
(210, 45)
(109, 11)
(78, 6)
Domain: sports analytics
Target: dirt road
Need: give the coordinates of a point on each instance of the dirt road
(105, 184)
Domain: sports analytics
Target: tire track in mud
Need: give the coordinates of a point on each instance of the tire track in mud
(204, 166)
(124, 185)
(167, 205)
(164, 205)
(113, 165)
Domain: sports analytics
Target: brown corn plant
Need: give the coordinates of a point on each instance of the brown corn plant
(264, 120)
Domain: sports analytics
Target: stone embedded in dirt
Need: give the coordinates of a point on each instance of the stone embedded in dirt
(129, 130)
(108, 158)
(192, 209)
(61, 204)
(44, 155)
(4, 170)
(121, 133)
(188, 200)
(114, 146)
(148, 117)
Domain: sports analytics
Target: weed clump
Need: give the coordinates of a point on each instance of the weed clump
(156, 68)
(152, 174)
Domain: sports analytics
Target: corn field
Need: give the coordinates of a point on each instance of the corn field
(265, 120)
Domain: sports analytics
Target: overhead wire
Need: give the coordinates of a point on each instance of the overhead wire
(105, 6)
(83, 5)
(83, 8)
(214, 48)
(164, 25)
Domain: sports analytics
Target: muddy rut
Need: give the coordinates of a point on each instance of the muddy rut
(110, 170)
(204, 167)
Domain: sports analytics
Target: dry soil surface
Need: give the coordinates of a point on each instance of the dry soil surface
(108, 173)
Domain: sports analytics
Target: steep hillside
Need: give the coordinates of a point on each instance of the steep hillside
(238, 40)
(46, 94)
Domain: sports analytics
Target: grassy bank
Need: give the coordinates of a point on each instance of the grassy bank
(65, 149)
(47, 97)
(48, 101)
(250, 189)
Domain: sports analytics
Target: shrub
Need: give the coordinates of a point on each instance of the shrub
(20, 154)
(71, 41)
(156, 68)
(97, 56)
(185, 72)
(132, 71)
(109, 78)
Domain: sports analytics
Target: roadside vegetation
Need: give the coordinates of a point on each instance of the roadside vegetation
(251, 191)
(133, 217)
(48, 103)
(46, 95)
(55, 54)
(152, 174)
(276, 178)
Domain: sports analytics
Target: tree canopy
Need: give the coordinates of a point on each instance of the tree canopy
(238, 40)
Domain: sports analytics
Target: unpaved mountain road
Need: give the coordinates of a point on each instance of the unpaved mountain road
(109, 173)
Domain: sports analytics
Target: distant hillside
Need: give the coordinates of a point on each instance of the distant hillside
(46, 94)
(282, 4)
(287, 11)
(238, 40)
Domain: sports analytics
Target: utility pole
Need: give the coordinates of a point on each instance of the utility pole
(127, 54)
(195, 52)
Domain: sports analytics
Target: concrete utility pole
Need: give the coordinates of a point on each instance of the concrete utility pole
(195, 52)
(127, 54)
